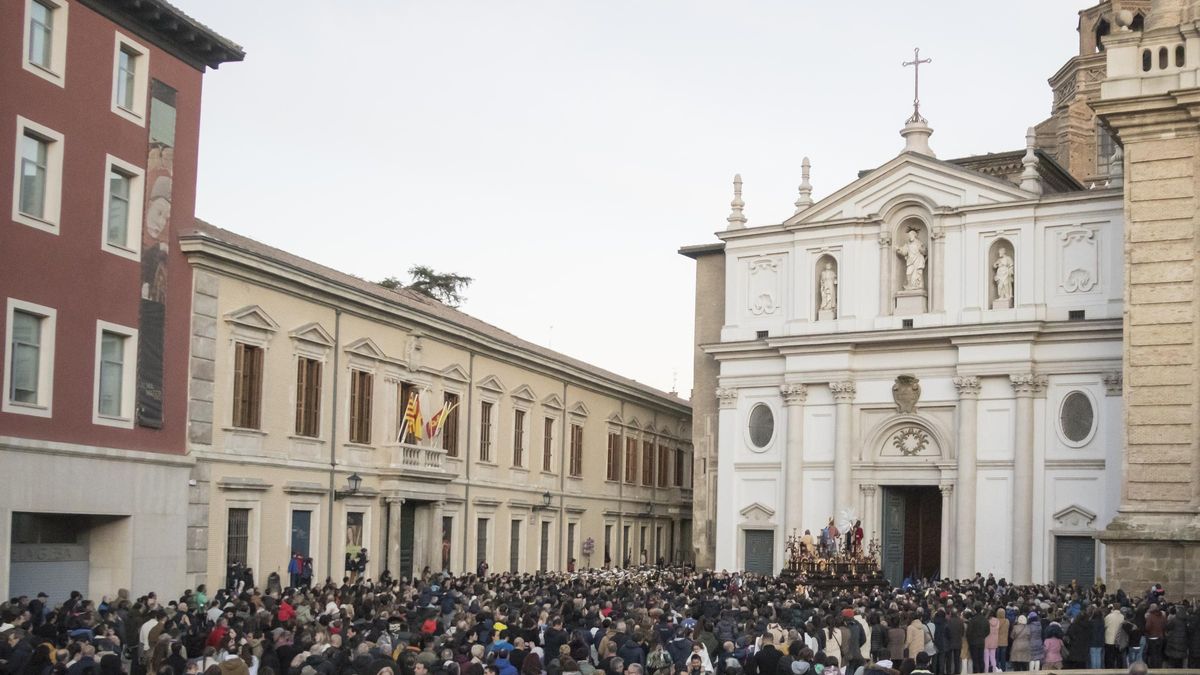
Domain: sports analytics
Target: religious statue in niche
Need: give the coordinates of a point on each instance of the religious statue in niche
(1004, 280)
(913, 252)
(828, 286)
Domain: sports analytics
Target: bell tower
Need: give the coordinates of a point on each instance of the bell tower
(1150, 99)
(1072, 134)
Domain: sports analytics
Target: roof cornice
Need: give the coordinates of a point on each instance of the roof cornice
(169, 28)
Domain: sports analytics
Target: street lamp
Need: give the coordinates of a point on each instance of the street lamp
(545, 502)
(353, 483)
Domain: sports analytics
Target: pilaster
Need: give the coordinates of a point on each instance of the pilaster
(968, 404)
(843, 397)
(1025, 387)
(794, 397)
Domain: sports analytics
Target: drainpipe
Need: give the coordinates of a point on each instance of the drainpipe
(562, 482)
(466, 525)
(621, 469)
(333, 440)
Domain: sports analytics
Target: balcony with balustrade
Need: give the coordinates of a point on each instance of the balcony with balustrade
(418, 461)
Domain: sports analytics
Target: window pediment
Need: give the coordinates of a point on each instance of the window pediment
(252, 317)
(579, 409)
(553, 402)
(1075, 516)
(456, 373)
(366, 348)
(492, 383)
(313, 334)
(524, 393)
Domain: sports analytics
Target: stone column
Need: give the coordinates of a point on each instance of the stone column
(393, 544)
(885, 274)
(725, 532)
(964, 529)
(937, 251)
(947, 525)
(794, 396)
(1025, 386)
(870, 512)
(843, 396)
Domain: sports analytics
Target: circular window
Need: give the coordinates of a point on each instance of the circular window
(1076, 417)
(762, 425)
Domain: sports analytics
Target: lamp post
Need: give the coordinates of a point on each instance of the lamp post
(353, 484)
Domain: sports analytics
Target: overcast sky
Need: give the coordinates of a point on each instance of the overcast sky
(561, 151)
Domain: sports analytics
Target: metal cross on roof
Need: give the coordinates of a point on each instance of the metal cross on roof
(916, 64)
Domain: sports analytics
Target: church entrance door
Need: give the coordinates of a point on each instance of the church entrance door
(912, 532)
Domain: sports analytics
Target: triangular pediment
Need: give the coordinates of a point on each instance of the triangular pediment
(456, 373)
(911, 177)
(313, 333)
(553, 402)
(757, 512)
(1074, 516)
(633, 422)
(580, 408)
(492, 383)
(524, 393)
(252, 316)
(366, 347)
(615, 418)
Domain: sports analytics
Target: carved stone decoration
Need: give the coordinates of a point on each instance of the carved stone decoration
(412, 352)
(763, 286)
(1079, 261)
(910, 441)
(913, 251)
(1113, 383)
(843, 392)
(1028, 384)
(968, 386)
(727, 397)
(906, 392)
(1004, 279)
(1075, 517)
(794, 394)
(828, 292)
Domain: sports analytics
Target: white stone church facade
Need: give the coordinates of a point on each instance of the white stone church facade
(1005, 305)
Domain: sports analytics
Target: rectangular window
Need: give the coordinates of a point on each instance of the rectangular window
(626, 546)
(608, 545)
(514, 547)
(576, 450)
(117, 221)
(544, 563)
(130, 77)
(679, 467)
(643, 555)
(237, 540)
(123, 196)
(308, 397)
(485, 432)
(45, 39)
(519, 438)
(26, 357)
(547, 444)
(450, 430)
(38, 179)
(631, 465)
(648, 463)
(664, 465)
(570, 542)
(301, 532)
(41, 34)
(614, 457)
(447, 538)
(112, 371)
(247, 386)
(116, 357)
(29, 359)
(361, 389)
(481, 540)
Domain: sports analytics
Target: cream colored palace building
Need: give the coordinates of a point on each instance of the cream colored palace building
(297, 378)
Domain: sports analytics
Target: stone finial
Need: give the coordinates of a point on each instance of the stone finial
(737, 219)
(1031, 180)
(1116, 167)
(916, 135)
(805, 199)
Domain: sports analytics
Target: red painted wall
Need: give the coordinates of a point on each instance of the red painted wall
(70, 272)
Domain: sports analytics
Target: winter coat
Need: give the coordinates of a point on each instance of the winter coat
(914, 639)
(955, 629)
(1053, 651)
(977, 631)
(895, 642)
(1156, 623)
(1002, 635)
(993, 636)
(1177, 642)
(1078, 635)
(1037, 651)
(1193, 624)
(1019, 648)
(878, 639)
(630, 652)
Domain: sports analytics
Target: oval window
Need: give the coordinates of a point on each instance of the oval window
(1076, 417)
(762, 425)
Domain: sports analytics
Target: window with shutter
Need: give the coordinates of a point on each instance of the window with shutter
(547, 443)
(361, 385)
(519, 438)
(485, 432)
(247, 386)
(450, 430)
(576, 450)
(647, 463)
(308, 397)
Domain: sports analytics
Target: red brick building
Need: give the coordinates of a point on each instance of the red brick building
(99, 132)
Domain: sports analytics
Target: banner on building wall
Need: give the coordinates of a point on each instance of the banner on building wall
(156, 248)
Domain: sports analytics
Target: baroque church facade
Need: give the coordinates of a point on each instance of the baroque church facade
(935, 349)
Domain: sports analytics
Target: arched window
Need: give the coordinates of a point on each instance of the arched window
(1147, 60)
(1179, 56)
(1102, 29)
(1138, 23)
(1162, 58)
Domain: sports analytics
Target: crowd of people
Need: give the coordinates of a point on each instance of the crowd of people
(640, 621)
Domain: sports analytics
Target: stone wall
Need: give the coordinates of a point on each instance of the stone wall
(202, 368)
(710, 316)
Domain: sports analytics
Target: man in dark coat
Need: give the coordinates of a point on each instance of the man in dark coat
(976, 633)
(767, 658)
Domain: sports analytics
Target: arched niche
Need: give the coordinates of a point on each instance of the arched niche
(908, 437)
(826, 285)
(914, 287)
(995, 277)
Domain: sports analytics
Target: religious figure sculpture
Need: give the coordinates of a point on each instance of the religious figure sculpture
(913, 252)
(1003, 279)
(828, 290)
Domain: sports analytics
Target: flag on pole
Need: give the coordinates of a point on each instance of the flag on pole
(412, 417)
(438, 421)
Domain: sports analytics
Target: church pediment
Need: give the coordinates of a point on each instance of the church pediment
(1075, 517)
(915, 178)
(757, 513)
